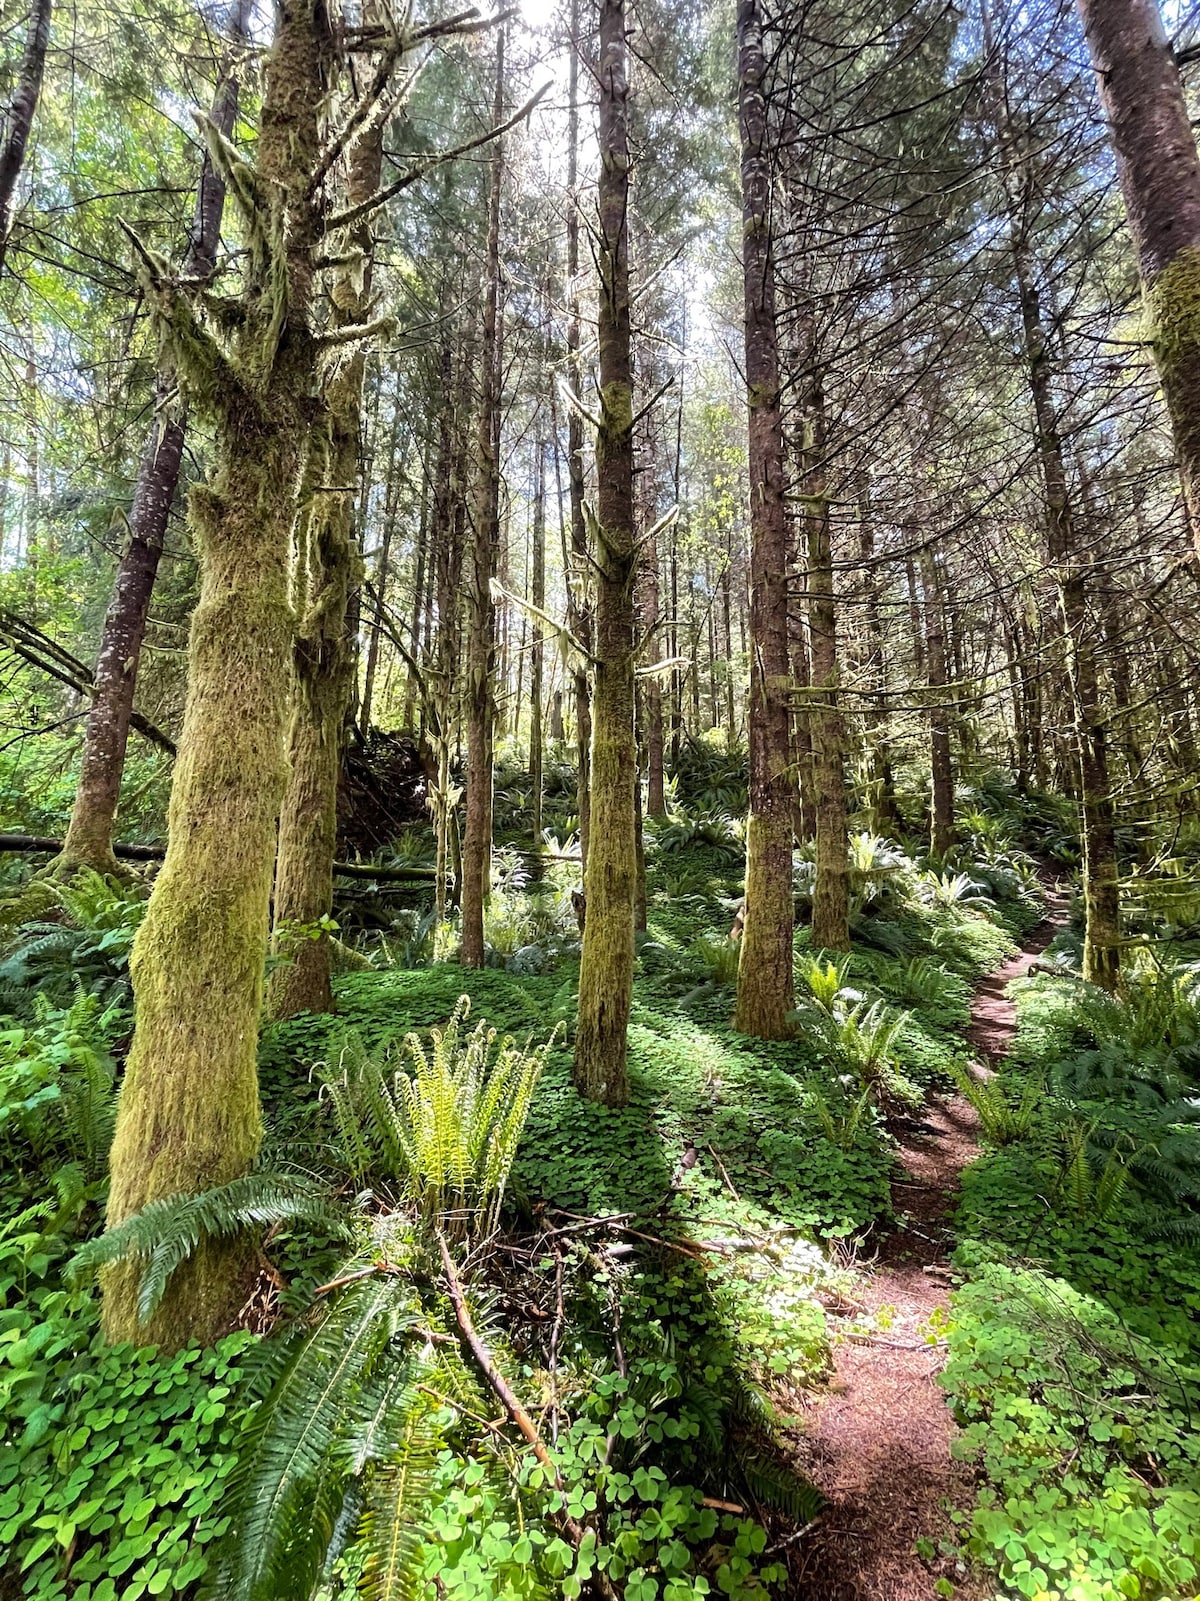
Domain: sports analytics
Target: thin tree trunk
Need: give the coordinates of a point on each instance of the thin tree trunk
(1101, 876)
(538, 563)
(579, 618)
(481, 664)
(941, 811)
(831, 890)
(606, 966)
(21, 112)
(884, 819)
(89, 835)
(765, 995)
(382, 565)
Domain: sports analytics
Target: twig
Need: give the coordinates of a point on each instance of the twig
(483, 1359)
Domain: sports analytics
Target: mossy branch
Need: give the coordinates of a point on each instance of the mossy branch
(577, 405)
(352, 332)
(205, 370)
(566, 639)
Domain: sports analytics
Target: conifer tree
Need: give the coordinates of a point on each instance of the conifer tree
(765, 982)
(606, 966)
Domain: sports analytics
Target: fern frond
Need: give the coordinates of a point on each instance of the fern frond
(773, 1484)
(397, 1503)
(292, 1467)
(167, 1232)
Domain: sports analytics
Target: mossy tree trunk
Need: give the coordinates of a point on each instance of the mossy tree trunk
(606, 967)
(89, 837)
(485, 537)
(1159, 167)
(765, 993)
(327, 566)
(188, 1117)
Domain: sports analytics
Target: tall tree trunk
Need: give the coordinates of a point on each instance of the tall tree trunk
(449, 540)
(884, 818)
(606, 966)
(941, 810)
(188, 1116)
(1159, 168)
(536, 653)
(1101, 875)
(831, 890)
(323, 653)
(21, 112)
(765, 993)
(579, 618)
(481, 664)
(650, 593)
(89, 837)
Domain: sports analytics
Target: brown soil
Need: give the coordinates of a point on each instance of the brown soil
(877, 1440)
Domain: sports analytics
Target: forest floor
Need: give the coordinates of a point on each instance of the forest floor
(878, 1437)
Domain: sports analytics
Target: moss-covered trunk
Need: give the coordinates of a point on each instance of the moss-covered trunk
(606, 967)
(328, 565)
(765, 994)
(189, 1116)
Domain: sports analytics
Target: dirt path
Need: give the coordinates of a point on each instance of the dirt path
(878, 1440)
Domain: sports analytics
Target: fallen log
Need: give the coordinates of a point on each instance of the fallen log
(35, 843)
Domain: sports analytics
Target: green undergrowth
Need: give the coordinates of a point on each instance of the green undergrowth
(1074, 1353)
(670, 1259)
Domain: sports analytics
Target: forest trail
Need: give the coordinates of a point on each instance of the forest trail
(877, 1440)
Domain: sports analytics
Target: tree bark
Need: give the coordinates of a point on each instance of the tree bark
(831, 890)
(579, 611)
(941, 809)
(884, 816)
(606, 966)
(21, 113)
(765, 993)
(188, 1116)
(1101, 873)
(1159, 169)
(481, 662)
(94, 812)
(537, 649)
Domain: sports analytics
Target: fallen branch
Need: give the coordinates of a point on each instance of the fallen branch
(35, 843)
(574, 1530)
